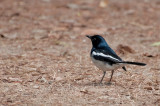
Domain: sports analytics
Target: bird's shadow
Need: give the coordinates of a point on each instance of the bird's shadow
(94, 84)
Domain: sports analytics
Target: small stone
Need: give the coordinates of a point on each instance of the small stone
(36, 86)
(58, 78)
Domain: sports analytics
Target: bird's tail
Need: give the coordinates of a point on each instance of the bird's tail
(134, 63)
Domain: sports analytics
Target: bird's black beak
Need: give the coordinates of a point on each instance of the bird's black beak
(88, 36)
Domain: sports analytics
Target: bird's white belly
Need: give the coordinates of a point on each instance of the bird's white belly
(104, 66)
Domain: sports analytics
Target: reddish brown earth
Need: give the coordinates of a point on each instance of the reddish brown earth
(44, 54)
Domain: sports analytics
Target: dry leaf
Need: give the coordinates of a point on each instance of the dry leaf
(123, 49)
(148, 88)
(103, 3)
(156, 44)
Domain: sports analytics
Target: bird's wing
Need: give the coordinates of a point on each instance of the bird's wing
(111, 52)
(105, 55)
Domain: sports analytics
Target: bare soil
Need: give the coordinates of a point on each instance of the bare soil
(44, 54)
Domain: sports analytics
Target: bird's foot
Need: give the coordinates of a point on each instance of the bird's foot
(101, 84)
(108, 83)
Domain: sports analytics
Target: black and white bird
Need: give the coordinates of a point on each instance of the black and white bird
(105, 58)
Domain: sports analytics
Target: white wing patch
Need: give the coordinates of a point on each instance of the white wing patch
(104, 55)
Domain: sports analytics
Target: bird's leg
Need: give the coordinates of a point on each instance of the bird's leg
(111, 77)
(104, 73)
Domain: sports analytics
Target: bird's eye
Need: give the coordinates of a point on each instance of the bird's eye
(94, 39)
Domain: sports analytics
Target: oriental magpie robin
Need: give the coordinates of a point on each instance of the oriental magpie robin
(105, 58)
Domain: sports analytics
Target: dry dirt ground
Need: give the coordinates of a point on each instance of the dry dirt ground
(44, 54)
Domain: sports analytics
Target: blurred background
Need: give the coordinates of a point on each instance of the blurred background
(44, 54)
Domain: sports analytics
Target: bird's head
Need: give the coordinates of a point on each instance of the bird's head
(97, 41)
